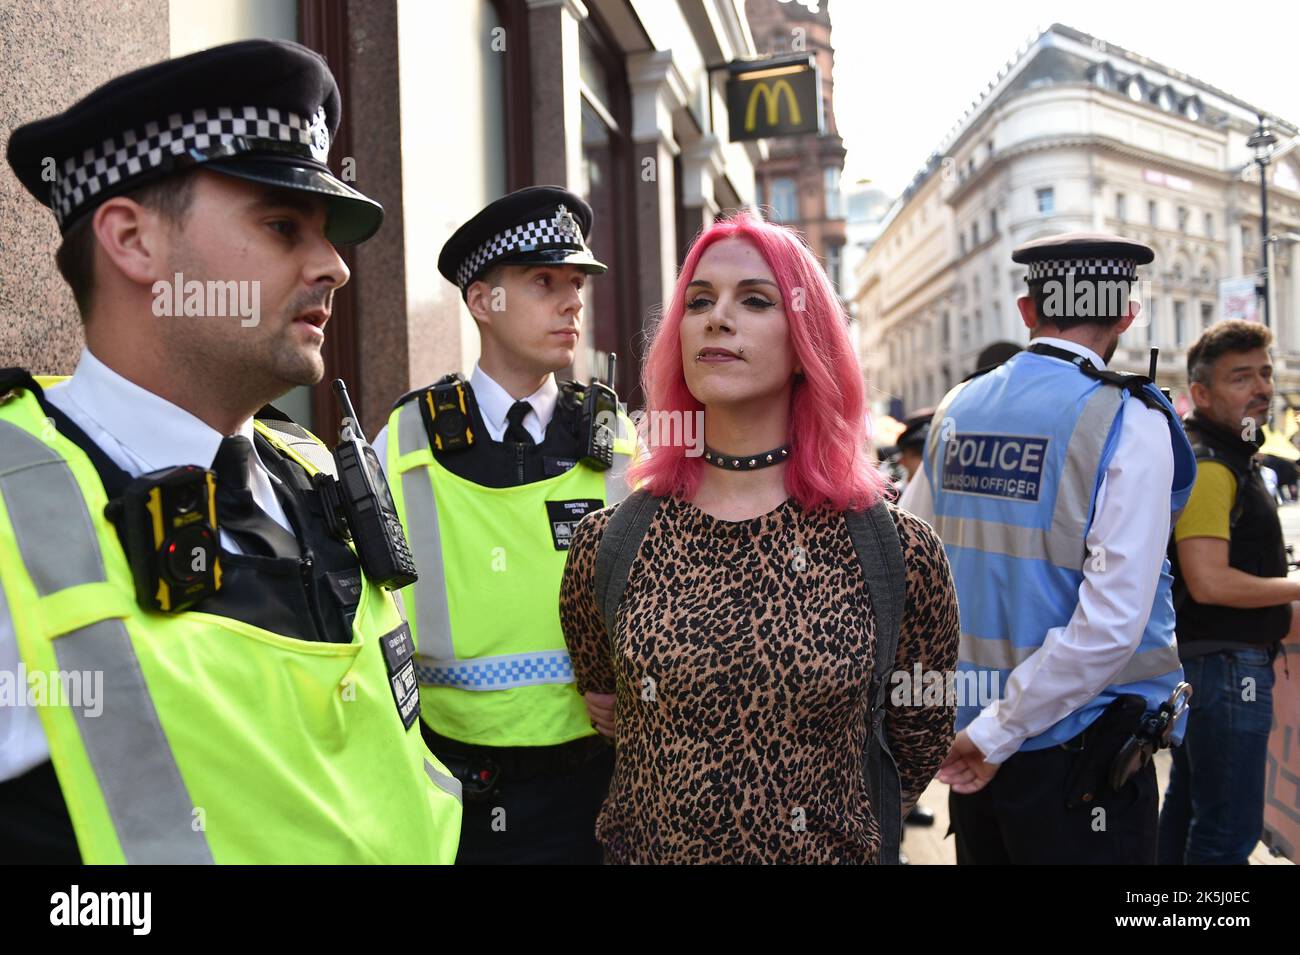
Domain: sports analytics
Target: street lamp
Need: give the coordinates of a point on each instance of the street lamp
(1262, 142)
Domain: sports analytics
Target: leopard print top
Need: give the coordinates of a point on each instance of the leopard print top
(741, 670)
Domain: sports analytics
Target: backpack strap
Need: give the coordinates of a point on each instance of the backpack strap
(618, 548)
(875, 538)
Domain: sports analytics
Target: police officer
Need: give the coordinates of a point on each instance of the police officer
(491, 475)
(1052, 482)
(233, 687)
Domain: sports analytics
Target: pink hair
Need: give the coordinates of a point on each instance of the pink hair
(828, 466)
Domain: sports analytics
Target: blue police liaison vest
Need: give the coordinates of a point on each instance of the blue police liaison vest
(1015, 459)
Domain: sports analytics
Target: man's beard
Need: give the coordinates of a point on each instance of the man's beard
(299, 365)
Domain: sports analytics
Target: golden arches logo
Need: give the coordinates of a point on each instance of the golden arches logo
(772, 96)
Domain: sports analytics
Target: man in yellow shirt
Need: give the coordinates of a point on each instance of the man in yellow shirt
(1233, 601)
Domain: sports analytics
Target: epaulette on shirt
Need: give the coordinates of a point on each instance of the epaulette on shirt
(572, 391)
(416, 392)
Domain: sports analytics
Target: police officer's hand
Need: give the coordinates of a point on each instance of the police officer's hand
(965, 769)
(600, 707)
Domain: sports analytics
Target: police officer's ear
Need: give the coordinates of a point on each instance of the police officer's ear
(133, 239)
(1122, 325)
(1028, 311)
(486, 296)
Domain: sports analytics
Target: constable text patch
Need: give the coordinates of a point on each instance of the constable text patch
(994, 465)
(564, 517)
(399, 653)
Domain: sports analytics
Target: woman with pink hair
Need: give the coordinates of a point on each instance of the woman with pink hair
(737, 675)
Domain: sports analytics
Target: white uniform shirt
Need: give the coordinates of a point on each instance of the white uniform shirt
(494, 403)
(140, 432)
(1131, 523)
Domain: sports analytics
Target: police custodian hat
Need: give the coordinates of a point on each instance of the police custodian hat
(260, 110)
(1085, 255)
(539, 225)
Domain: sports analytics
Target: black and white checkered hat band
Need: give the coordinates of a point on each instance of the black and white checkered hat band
(129, 154)
(1059, 268)
(529, 237)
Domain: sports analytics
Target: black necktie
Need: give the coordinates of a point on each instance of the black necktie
(515, 416)
(238, 513)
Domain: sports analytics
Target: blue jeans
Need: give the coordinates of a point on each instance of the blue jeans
(1214, 808)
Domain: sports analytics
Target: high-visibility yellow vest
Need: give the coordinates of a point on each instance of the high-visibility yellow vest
(490, 654)
(218, 741)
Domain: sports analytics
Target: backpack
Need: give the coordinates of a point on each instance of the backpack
(875, 538)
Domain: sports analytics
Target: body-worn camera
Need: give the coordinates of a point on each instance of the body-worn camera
(598, 421)
(359, 506)
(167, 521)
(445, 410)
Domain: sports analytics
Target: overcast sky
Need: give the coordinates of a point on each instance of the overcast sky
(906, 71)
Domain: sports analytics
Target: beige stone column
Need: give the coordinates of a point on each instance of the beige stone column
(657, 93)
(703, 165)
(557, 106)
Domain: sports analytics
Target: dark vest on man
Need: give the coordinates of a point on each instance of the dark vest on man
(1256, 547)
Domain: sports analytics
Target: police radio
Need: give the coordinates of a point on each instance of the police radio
(358, 506)
(167, 521)
(598, 420)
(446, 411)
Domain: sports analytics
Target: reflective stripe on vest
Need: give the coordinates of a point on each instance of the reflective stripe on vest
(150, 807)
(1058, 544)
(436, 662)
(1003, 655)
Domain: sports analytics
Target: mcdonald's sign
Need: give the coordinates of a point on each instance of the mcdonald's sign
(769, 98)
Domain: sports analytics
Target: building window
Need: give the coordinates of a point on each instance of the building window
(1182, 218)
(831, 182)
(1153, 213)
(1180, 323)
(1207, 315)
(961, 243)
(1134, 89)
(1121, 207)
(606, 108)
(1209, 226)
(993, 221)
(974, 234)
(834, 258)
(784, 200)
(1046, 201)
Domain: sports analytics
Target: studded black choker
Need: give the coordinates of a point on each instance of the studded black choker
(748, 462)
